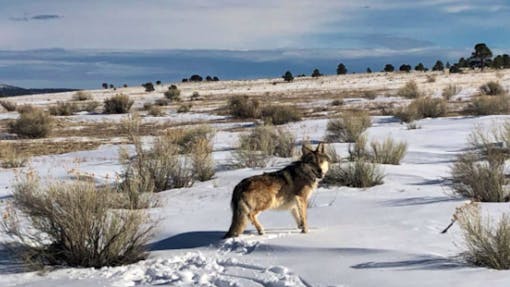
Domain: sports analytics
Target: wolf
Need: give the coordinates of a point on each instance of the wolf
(285, 189)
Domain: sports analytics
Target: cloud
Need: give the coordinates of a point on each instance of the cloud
(46, 17)
(394, 42)
(40, 17)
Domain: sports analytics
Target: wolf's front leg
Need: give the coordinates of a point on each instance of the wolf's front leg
(297, 216)
(302, 205)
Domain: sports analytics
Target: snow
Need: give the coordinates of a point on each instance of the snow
(387, 235)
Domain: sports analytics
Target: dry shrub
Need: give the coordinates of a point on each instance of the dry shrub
(279, 115)
(159, 168)
(420, 108)
(8, 106)
(173, 94)
(487, 243)
(10, 157)
(257, 147)
(431, 78)
(32, 123)
(82, 96)
(387, 151)
(184, 108)
(72, 224)
(333, 156)
(480, 172)
(155, 111)
(489, 105)
(118, 104)
(450, 91)
(162, 102)
(409, 91)
(371, 95)
(243, 107)
(354, 174)
(337, 102)
(63, 109)
(26, 108)
(202, 160)
(186, 138)
(90, 106)
(348, 127)
(492, 89)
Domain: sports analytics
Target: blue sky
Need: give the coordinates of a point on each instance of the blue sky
(45, 42)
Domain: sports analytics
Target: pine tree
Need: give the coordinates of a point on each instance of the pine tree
(341, 69)
(288, 76)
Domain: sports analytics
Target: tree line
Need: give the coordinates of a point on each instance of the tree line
(481, 58)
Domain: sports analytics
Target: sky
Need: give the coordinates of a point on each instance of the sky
(75, 43)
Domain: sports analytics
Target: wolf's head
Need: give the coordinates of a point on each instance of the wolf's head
(317, 159)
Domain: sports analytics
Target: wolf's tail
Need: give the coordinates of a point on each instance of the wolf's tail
(239, 212)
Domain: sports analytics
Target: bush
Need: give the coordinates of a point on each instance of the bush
(279, 115)
(156, 169)
(431, 78)
(354, 174)
(409, 91)
(480, 180)
(118, 104)
(10, 157)
(155, 111)
(388, 151)
(187, 138)
(8, 106)
(82, 96)
(162, 102)
(422, 108)
(173, 94)
(261, 143)
(184, 108)
(91, 106)
(492, 89)
(32, 123)
(488, 244)
(348, 127)
(195, 96)
(489, 105)
(72, 224)
(337, 102)
(63, 109)
(480, 172)
(243, 107)
(450, 91)
(202, 160)
(25, 109)
(371, 95)
(149, 87)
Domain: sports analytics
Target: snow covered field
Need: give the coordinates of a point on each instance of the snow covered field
(387, 235)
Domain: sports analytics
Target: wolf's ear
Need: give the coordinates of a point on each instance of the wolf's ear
(305, 149)
(321, 148)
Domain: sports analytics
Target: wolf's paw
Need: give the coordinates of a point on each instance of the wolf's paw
(304, 230)
(261, 232)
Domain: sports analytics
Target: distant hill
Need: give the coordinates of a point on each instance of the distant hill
(9, 91)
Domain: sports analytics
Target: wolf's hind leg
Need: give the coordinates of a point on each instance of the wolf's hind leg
(302, 205)
(297, 217)
(255, 222)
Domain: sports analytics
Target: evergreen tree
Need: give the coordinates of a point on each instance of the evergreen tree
(316, 73)
(369, 71)
(438, 66)
(463, 63)
(405, 68)
(420, 67)
(482, 53)
(389, 68)
(341, 69)
(288, 76)
(498, 62)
